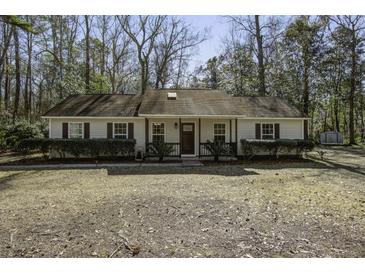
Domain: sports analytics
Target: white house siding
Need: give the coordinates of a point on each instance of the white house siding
(289, 129)
(207, 129)
(172, 133)
(98, 127)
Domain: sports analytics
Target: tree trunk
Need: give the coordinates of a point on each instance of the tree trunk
(325, 121)
(28, 80)
(87, 54)
(6, 84)
(29, 75)
(337, 120)
(306, 87)
(352, 89)
(362, 108)
(179, 70)
(260, 57)
(6, 41)
(103, 41)
(61, 49)
(17, 73)
(144, 77)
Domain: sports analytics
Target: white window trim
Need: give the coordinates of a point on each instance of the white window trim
(82, 129)
(164, 131)
(273, 131)
(120, 134)
(225, 130)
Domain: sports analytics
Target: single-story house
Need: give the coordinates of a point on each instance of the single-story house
(184, 118)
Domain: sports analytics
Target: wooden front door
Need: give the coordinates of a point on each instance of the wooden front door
(187, 138)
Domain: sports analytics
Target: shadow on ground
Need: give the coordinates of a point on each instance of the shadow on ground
(224, 170)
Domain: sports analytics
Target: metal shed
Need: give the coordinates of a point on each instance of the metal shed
(331, 138)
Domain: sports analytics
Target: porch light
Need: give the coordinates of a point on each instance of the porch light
(175, 125)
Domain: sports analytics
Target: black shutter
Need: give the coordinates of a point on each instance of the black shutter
(87, 130)
(130, 131)
(305, 129)
(277, 131)
(109, 130)
(258, 131)
(64, 130)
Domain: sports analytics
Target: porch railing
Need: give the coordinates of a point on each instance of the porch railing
(151, 151)
(228, 149)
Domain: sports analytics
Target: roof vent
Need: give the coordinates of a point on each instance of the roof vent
(171, 95)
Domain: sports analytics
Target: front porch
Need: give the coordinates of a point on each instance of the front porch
(191, 137)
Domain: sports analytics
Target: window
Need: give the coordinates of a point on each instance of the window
(158, 132)
(267, 131)
(220, 133)
(120, 131)
(75, 130)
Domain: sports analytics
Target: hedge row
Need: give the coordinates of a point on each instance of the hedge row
(77, 147)
(250, 148)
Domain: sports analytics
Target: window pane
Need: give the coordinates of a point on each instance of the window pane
(120, 128)
(157, 138)
(267, 131)
(75, 130)
(158, 131)
(220, 138)
(220, 132)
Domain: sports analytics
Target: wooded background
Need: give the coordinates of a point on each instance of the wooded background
(315, 62)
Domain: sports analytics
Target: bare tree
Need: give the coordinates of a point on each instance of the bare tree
(17, 72)
(143, 34)
(175, 40)
(87, 53)
(264, 34)
(355, 27)
(28, 80)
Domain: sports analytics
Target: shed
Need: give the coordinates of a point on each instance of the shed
(331, 138)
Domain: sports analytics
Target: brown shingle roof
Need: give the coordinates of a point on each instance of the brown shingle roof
(259, 106)
(192, 102)
(188, 102)
(97, 105)
(214, 102)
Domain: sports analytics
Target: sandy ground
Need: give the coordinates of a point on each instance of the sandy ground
(308, 208)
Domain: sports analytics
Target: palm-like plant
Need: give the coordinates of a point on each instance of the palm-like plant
(161, 149)
(216, 148)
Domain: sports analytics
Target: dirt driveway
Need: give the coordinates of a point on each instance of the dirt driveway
(253, 209)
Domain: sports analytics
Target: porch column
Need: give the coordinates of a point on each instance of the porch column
(199, 136)
(230, 131)
(235, 131)
(180, 136)
(146, 136)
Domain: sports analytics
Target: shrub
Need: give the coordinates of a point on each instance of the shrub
(161, 149)
(39, 144)
(78, 147)
(217, 148)
(115, 147)
(250, 148)
(11, 135)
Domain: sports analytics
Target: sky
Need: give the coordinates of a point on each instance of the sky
(212, 46)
